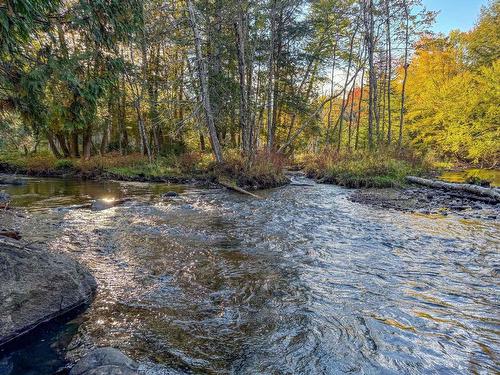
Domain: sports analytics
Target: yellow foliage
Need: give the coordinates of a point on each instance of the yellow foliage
(451, 107)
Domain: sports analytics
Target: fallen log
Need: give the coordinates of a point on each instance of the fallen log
(233, 187)
(492, 193)
(300, 184)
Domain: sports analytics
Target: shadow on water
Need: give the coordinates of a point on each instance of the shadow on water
(43, 350)
(303, 281)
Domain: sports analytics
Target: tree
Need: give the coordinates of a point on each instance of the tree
(203, 80)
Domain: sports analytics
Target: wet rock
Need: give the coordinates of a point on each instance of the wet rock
(425, 201)
(14, 234)
(170, 194)
(36, 286)
(4, 197)
(4, 200)
(105, 361)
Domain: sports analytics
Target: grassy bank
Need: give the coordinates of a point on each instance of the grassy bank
(363, 169)
(355, 169)
(265, 172)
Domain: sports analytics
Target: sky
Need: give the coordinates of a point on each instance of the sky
(455, 14)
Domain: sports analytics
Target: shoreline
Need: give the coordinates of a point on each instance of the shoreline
(206, 180)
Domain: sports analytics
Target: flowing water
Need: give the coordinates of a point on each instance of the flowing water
(303, 281)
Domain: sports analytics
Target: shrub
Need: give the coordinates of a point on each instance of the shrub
(64, 164)
(189, 161)
(364, 169)
(40, 164)
(265, 170)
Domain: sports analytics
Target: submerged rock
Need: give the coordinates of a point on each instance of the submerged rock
(105, 361)
(36, 286)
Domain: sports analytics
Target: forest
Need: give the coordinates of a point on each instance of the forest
(249, 187)
(193, 83)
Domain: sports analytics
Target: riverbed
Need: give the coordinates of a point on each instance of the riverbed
(303, 281)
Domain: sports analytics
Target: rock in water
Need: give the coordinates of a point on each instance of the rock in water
(170, 194)
(105, 361)
(36, 286)
(14, 234)
(4, 197)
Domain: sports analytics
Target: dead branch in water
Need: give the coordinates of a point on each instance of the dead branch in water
(233, 187)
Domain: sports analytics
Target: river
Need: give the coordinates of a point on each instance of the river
(303, 281)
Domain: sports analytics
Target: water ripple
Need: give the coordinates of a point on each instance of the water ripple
(303, 281)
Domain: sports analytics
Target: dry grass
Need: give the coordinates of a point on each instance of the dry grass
(265, 170)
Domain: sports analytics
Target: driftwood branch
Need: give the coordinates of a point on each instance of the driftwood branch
(468, 188)
(233, 187)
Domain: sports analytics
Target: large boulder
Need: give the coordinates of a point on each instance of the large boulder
(105, 361)
(36, 286)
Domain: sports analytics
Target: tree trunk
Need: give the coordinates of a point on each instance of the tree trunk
(351, 114)
(142, 130)
(372, 89)
(87, 142)
(204, 87)
(74, 145)
(277, 70)
(382, 102)
(330, 106)
(270, 78)
(52, 144)
(104, 141)
(239, 26)
(389, 71)
(356, 142)
(62, 142)
(122, 129)
(150, 81)
(469, 188)
(405, 67)
(342, 110)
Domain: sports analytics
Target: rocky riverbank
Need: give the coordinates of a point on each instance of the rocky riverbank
(429, 201)
(38, 286)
